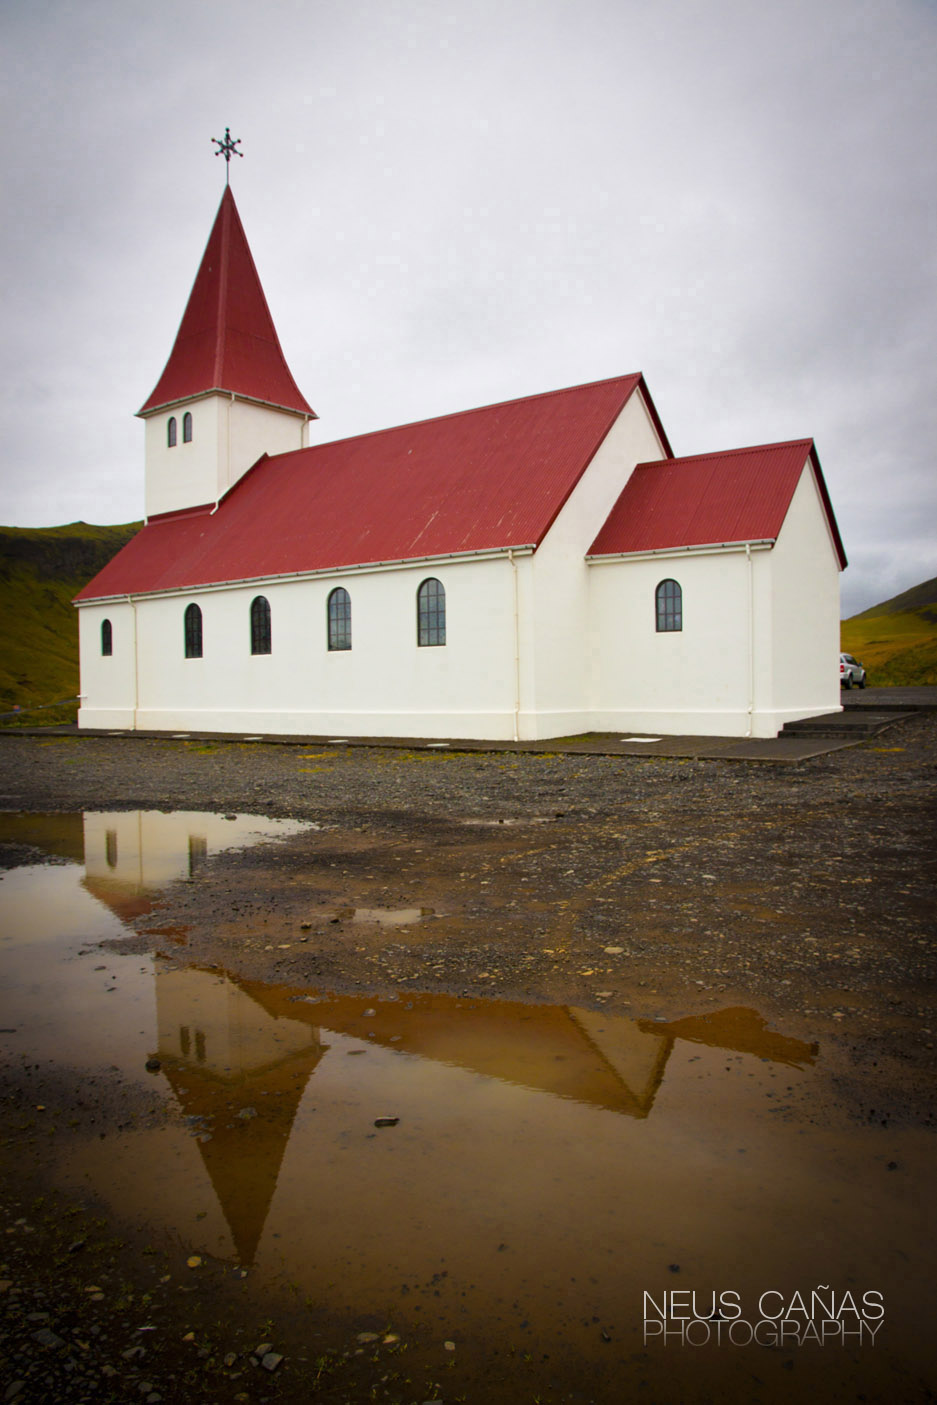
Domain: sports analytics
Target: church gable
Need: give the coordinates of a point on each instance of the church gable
(719, 499)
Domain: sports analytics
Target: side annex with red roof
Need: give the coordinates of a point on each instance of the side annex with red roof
(529, 569)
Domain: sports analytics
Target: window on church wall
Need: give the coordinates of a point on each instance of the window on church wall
(669, 598)
(171, 432)
(107, 638)
(431, 613)
(187, 428)
(193, 632)
(260, 626)
(339, 619)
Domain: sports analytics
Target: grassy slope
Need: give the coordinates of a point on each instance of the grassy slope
(41, 569)
(897, 640)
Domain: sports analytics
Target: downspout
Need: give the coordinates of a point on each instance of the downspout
(136, 663)
(751, 639)
(517, 651)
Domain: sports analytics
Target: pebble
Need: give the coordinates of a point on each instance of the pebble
(46, 1337)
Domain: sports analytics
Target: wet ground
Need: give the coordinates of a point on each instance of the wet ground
(466, 1075)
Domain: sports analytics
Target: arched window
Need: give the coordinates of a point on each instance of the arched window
(193, 632)
(339, 619)
(431, 613)
(669, 598)
(260, 625)
(171, 432)
(107, 638)
(187, 428)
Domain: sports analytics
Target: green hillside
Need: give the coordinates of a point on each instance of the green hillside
(897, 640)
(41, 569)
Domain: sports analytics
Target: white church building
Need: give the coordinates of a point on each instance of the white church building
(531, 569)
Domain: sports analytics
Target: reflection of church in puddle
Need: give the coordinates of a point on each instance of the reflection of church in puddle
(129, 855)
(239, 1055)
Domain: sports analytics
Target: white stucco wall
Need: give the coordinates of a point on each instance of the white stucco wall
(805, 609)
(695, 680)
(107, 682)
(228, 436)
(385, 685)
(556, 695)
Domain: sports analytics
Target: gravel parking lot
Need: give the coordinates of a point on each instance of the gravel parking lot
(652, 886)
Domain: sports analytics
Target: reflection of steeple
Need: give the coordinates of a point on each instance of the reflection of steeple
(223, 1055)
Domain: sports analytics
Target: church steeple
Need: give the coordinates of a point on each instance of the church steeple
(226, 395)
(226, 340)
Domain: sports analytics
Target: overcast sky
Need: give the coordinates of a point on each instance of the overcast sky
(454, 202)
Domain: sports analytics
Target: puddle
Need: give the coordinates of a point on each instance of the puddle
(510, 1177)
(384, 917)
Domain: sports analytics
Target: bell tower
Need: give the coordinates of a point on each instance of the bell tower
(226, 395)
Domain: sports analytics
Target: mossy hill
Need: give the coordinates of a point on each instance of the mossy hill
(897, 640)
(41, 569)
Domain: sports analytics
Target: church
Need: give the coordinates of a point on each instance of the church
(536, 568)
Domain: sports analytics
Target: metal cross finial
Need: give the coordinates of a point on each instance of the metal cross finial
(227, 149)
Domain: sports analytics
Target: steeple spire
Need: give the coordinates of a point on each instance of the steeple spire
(227, 341)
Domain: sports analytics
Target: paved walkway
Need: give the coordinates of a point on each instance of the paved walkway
(866, 712)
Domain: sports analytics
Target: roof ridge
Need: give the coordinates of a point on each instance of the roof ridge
(726, 453)
(636, 376)
(221, 318)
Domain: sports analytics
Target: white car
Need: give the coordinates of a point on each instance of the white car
(850, 671)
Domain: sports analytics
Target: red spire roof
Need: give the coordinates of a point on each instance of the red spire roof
(737, 495)
(226, 340)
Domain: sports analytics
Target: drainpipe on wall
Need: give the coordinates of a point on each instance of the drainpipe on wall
(517, 652)
(136, 662)
(751, 639)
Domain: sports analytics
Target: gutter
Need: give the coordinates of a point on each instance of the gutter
(708, 549)
(334, 572)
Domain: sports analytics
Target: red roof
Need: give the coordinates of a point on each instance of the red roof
(739, 495)
(482, 480)
(226, 340)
